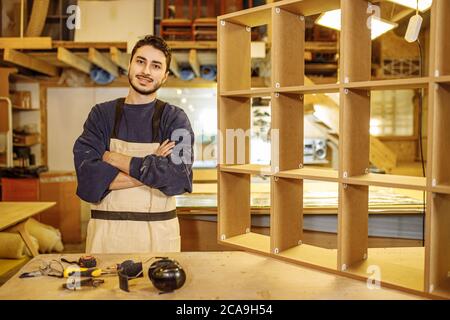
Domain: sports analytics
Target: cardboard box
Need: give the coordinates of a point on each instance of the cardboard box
(27, 140)
(21, 99)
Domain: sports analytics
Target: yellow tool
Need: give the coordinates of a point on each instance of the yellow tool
(82, 272)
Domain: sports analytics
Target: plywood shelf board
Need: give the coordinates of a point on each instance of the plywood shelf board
(395, 84)
(311, 89)
(253, 241)
(310, 174)
(250, 169)
(322, 257)
(387, 180)
(248, 93)
(397, 266)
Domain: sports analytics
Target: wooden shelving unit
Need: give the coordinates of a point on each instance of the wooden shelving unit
(423, 270)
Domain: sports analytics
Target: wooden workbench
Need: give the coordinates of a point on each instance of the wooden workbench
(212, 275)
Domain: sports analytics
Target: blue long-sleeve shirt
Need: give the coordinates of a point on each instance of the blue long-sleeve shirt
(170, 177)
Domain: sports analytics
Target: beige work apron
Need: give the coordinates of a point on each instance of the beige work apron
(124, 236)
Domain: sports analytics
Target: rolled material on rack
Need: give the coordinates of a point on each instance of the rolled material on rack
(13, 246)
(208, 72)
(49, 238)
(187, 74)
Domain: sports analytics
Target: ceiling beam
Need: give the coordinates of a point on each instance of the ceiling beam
(103, 62)
(26, 61)
(174, 67)
(38, 17)
(193, 61)
(26, 43)
(73, 60)
(120, 58)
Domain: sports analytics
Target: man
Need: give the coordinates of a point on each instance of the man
(133, 156)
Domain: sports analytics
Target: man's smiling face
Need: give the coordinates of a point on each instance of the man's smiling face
(148, 70)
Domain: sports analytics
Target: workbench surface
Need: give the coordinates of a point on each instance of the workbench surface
(210, 275)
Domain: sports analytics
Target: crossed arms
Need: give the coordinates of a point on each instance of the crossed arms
(122, 162)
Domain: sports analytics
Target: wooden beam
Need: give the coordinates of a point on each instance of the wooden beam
(38, 16)
(103, 62)
(120, 58)
(207, 45)
(26, 61)
(193, 61)
(73, 60)
(87, 45)
(174, 67)
(26, 43)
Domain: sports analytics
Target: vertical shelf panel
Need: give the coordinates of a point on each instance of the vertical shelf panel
(442, 29)
(354, 124)
(234, 204)
(288, 46)
(353, 224)
(441, 136)
(286, 213)
(234, 118)
(233, 49)
(356, 43)
(354, 141)
(440, 245)
(287, 120)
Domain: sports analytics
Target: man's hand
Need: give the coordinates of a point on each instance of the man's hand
(123, 181)
(165, 148)
(118, 160)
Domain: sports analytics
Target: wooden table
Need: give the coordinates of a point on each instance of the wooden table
(210, 275)
(14, 216)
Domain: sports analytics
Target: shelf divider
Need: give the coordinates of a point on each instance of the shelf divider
(233, 41)
(288, 47)
(286, 214)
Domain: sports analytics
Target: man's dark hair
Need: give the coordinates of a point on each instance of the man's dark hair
(157, 43)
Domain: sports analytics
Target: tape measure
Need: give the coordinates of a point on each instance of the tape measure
(87, 262)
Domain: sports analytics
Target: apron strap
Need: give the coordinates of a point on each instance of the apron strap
(156, 120)
(119, 107)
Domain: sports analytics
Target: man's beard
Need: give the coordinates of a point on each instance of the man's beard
(145, 92)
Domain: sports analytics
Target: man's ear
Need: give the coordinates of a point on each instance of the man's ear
(165, 77)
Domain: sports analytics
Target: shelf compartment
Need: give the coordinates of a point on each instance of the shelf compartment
(233, 41)
(249, 241)
(247, 93)
(311, 255)
(399, 267)
(387, 180)
(288, 47)
(233, 204)
(255, 169)
(310, 174)
(439, 246)
(394, 84)
(353, 224)
(311, 89)
(286, 214)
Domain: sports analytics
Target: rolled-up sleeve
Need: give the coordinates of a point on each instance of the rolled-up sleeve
(171, 175)
(93, 174)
